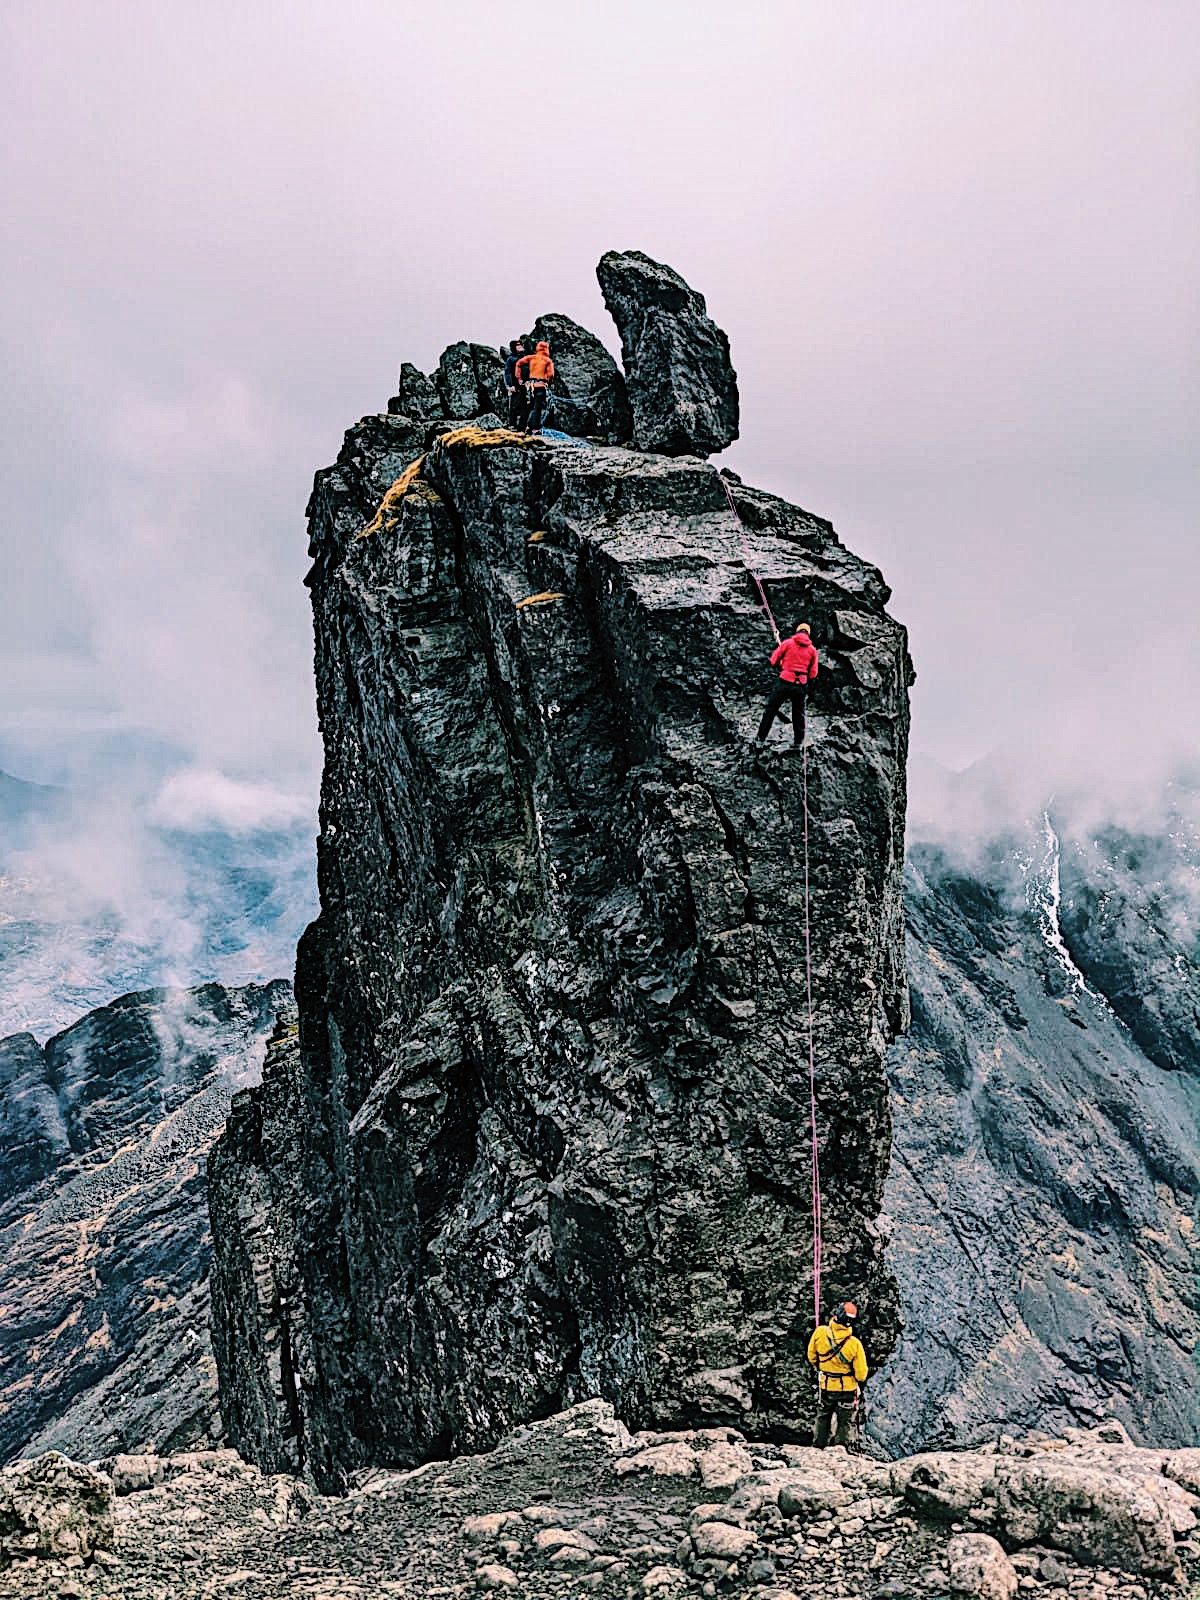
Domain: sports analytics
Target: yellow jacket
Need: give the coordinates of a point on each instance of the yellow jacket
(838, 1357)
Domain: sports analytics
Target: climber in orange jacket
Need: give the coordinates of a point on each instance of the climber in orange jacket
(536, 372)
(798, 665)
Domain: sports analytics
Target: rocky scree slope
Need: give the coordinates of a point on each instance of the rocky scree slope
(543, 1134)
(104, 1247)
(1045, 1177)
(575, 1506)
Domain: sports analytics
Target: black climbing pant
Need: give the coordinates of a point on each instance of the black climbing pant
(539, 399)
(837, 1405)
(797, 694)
(518, 406)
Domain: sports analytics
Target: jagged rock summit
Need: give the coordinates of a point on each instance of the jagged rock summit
(544, 1133)
(678, 394)
(682, 386)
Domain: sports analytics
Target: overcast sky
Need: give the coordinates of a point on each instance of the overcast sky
(954, 244)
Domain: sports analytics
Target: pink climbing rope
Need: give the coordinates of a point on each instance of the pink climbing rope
(812, 1074)
(746, 561)
(812, 1054)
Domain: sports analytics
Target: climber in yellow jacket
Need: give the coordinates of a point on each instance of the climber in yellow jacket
(841, 1363)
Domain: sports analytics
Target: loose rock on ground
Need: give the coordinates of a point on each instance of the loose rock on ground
(568, 1508)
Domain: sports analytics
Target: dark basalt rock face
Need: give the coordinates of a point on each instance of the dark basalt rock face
(1129, 917)
(417, 396)
(470, 380)
(544, 1134)
(1046, 1164)
(590, 399)
(104, 1245)
(682, 386)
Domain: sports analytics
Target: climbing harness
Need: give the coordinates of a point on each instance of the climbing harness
(836, 1352)
(746, 561)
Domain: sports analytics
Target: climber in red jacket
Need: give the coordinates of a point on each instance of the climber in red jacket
(797, 661)
(536, 372)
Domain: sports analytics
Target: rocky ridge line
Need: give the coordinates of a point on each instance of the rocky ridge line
(103, 1246)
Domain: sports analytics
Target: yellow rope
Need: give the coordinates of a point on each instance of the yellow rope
(539, 599)
(389, 506)
(485, 436)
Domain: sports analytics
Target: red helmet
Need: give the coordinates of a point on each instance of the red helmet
(846, 1312)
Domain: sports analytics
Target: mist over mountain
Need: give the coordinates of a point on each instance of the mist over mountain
(145, 871)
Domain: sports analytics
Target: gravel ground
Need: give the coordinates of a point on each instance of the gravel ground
(554, 1512)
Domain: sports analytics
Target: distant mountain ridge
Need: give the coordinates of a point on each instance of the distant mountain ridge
(1039, 1211)
(104, 1244)
(1045, 1176)
(21, 804)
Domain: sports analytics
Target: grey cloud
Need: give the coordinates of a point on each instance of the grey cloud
(953, 247)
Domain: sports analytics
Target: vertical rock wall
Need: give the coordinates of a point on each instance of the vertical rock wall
(545, 1132)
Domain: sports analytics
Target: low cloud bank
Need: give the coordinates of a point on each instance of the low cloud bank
(131, 881)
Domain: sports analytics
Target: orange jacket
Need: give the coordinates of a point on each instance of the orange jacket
(537, 368)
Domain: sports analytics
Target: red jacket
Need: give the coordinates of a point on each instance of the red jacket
(796, 658)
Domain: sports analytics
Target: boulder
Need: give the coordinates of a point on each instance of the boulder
(945, 1484)
(682, 387)
(1100, 1517)
(487, 1528)
(132, 1473)
(416, 396)
(811, 1493)
(590, 398)
(1183, 1467)
(722, 1464)
(548, 1539)
(673, 1460)
(50, 1506)
(664, 1580)
(470, 380)
(979, 1568)
(722, 1541)
(225, 1463)
(493, 1576)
